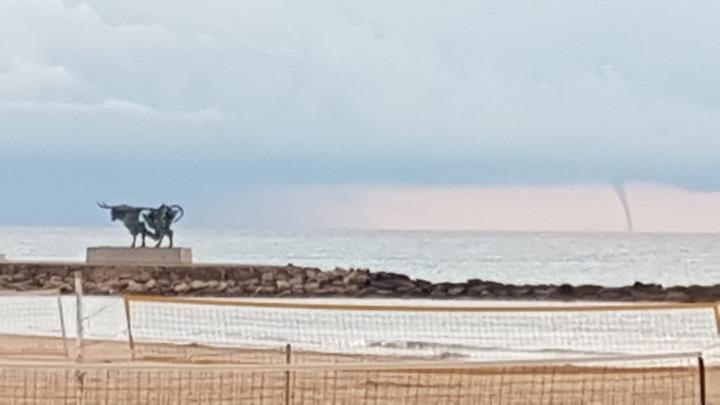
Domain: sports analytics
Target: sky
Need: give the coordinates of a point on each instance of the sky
(372, 114)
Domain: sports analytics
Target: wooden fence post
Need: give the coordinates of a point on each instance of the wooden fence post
(62, 326)
(701, 371)
(79, 374)
(288, 360)
(131, 340)
(78, 315)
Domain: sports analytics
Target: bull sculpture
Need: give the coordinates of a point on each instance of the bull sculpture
(160, 219)
(155, 222)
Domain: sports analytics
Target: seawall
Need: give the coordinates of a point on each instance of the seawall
(293, 281)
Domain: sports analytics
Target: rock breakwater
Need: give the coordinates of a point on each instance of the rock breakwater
(294, 281)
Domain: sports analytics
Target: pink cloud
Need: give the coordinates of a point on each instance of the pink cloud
(654, 207)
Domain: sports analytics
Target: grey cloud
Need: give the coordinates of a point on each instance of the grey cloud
(410, 91)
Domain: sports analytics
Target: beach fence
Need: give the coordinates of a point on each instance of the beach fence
(168, 350)
(628, 380)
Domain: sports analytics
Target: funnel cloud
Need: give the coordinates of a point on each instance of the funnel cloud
(622, 196)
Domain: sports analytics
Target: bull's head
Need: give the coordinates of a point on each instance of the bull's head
(177, 212)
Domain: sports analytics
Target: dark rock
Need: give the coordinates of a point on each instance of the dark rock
(404, 288)
(339, 272)
(439, 291)
(351, 290)
(588, 290)
(241, 274)
(282, 285)
(299, 281)
(198, 284)
(104, 288)
(20, 275)
(384, 285)
(386, 293)
(645, 287)
(479, 291)
(390, 277)
(322, 278)
(134, 287)
(311, 274)
(267, 278)
(455, 291)
(327, 291)
(350, 278)
(566, 290)
(312, 287)
(367, 292)
(265, 290)
(145, 276)
(181, 288)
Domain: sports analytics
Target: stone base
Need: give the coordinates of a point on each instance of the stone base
(123, 255)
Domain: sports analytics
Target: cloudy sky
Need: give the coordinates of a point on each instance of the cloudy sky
(381, 114)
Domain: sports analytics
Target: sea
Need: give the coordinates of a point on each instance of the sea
(610, 259)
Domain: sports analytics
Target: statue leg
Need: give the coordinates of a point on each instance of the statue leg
(143, 239)
(133, 242)
(170, 236)
(159, 242)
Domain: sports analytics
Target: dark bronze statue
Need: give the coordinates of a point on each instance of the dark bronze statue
(158, 219)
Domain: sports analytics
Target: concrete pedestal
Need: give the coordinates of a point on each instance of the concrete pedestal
(124, 255)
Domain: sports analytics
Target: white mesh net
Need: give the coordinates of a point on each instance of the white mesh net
(34, 323)
(456, 333)
(32, 313)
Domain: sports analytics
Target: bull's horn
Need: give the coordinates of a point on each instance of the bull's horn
(103, 205)
(180, 209)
